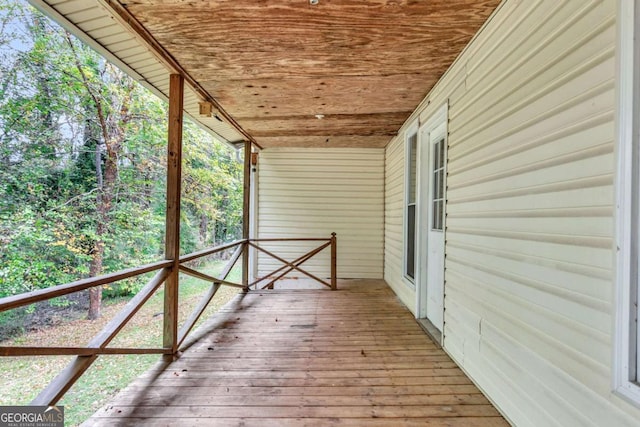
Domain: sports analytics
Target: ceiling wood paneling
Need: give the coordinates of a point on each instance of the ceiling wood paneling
(274, 65)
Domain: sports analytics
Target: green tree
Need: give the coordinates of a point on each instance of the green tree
(212, 190)
(82, 164)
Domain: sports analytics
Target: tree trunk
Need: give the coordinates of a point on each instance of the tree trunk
(204, 227)
(95, 294)
(97, 252)
(106, 185)
(112, 112)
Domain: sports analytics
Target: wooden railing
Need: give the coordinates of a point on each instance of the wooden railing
(85, 356)
(289, 266)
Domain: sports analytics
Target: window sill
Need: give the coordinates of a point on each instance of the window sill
(629, 392)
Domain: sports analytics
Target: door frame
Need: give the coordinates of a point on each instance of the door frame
(434, 121)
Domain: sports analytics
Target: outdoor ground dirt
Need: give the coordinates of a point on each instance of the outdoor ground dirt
(24, 377)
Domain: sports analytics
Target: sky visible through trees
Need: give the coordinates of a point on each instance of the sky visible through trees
(82, 165)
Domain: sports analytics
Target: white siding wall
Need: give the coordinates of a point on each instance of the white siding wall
(313, 192)
(394, 219)
(529, 271)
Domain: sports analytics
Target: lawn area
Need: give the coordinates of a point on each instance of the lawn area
(24, 377)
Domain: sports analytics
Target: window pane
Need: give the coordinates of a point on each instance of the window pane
(437, 215)
(411, 240)
(412, 168)
(434, 215)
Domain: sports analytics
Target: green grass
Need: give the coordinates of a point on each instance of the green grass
(24, 377)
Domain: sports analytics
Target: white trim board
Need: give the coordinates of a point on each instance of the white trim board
(624, 359)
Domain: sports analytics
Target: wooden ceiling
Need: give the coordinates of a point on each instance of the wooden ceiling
(364, 65)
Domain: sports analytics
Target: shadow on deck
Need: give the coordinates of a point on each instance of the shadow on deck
(353, 357)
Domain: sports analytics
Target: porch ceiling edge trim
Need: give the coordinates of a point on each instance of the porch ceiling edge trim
(163, 57)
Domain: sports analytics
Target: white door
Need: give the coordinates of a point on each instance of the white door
(431, 226)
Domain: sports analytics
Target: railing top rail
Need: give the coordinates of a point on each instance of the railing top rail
(293, 239)
(14, 301)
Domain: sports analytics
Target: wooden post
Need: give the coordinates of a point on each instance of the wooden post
(172, 233)
(245, 213)
(334, 260)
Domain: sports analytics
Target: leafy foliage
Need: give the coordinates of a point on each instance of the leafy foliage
(65, 113)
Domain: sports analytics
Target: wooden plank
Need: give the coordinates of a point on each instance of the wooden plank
(194, 273)
(319, 344)
(197, 274)
(210, 251)
(318, 330)
(309, 411)
(301, 258)
(296, 353)
(249, 367)
(171, 390)
(74, 351)
(341, 141)
(185, 379)
(303, 373)
(301, 239)
(172, 233)
(8, 303)
(278, 364)
(296, 264)
(373, 346)
(232, 262)
(314, 422)
(280, 401)
(325, 333)
(335, 338)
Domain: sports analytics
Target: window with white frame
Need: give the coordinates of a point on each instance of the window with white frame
(411, 175)
(626, 381)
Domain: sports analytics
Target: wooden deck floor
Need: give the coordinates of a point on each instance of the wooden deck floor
(352, 357)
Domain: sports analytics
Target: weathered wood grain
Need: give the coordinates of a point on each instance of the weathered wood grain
(373, 60)
(312, 422)
(172, 217)
(351, 357)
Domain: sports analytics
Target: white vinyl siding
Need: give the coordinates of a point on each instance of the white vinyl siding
(627, 355)
(394, 182)
(530, 207)
(307, 192)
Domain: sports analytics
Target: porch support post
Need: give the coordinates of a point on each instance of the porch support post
(246, 213)
(172, 233)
